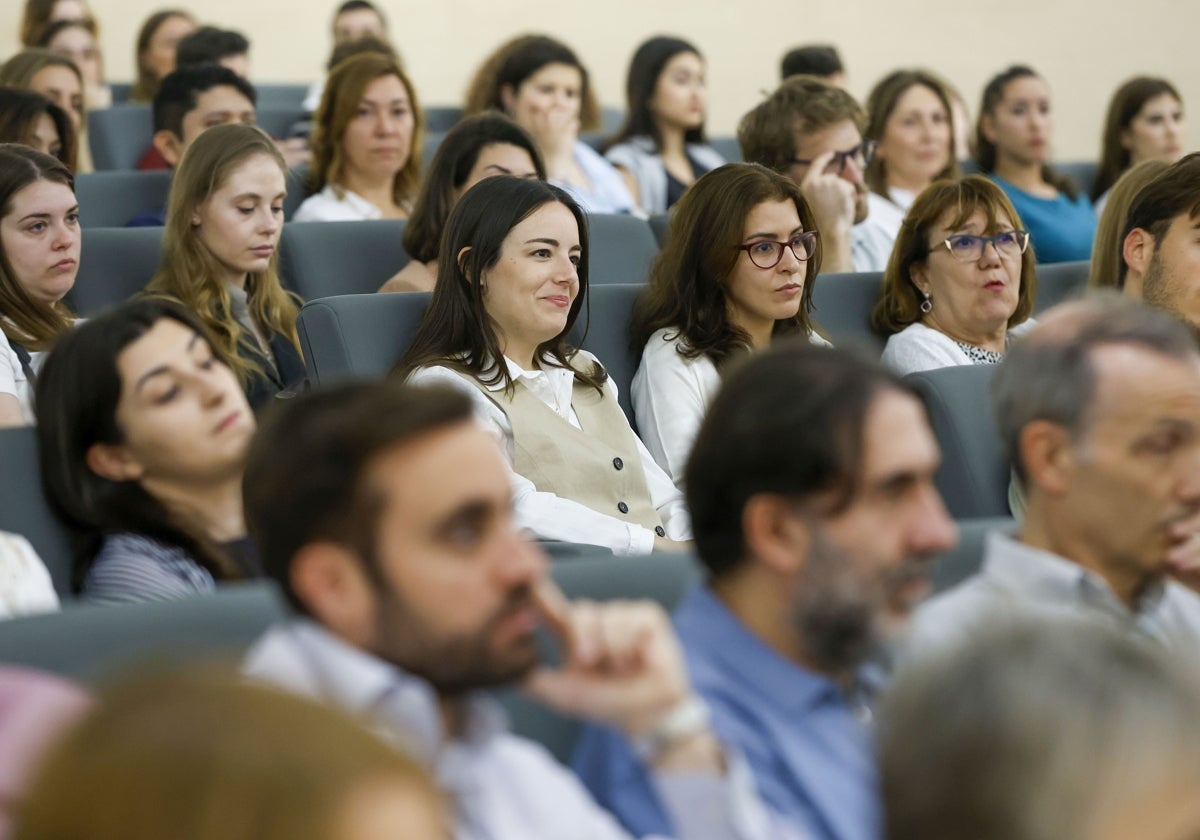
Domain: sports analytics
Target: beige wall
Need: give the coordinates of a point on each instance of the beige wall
(1083, 48)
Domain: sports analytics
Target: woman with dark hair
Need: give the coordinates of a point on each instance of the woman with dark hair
(143, 436)
(220, 255)
(39, 258)
(736, 272)
(542, 85)
(476, 148)
(1012, 143)
(154, 54)
(32, 120)
(1144, 122)
(58, 80)
(512, 279)
(661, 149)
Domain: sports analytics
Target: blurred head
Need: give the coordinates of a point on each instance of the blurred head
(365, 44)
(207, 755)
(1107, 263)
(665, 88)
(843, 516)
(1099, 410)
(155, 49)
(29, 119)
(974, 287)
(210, 45)
(369, 127)
(1064, 729)
(400, 505)
(40, 14)
(1160, 250)
(803, 119)
(912, 121)
(51, 75)
(532, 74)
(476, 148)
(820, 60)
(709, 287)
(192, 99)
(1145, 121)
(75, 41)
(1015, 120)
(356, 19)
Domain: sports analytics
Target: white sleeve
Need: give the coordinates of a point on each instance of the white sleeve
(917, 348)
(25, 585)
(669, 404)
(10, 368)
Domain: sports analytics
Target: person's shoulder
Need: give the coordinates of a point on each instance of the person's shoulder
(918, 347)
(127, 544)
(328, 206)
(664, 344)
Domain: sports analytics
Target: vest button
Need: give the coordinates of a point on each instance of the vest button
(618, 463)
(660, 530)
(624, 508)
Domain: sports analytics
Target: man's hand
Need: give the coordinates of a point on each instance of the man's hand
(832, 199)
(555, 131)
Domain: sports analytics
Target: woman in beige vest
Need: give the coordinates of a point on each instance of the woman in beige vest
(512, 278)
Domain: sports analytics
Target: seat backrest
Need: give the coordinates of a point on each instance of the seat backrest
(1082, 172)
(606, 317)
(441, 118)
(111, 199)
(974, 475)
(961, 562)
(118, 136)
(358, 335)
(842, 305)
(1059, 281)
(622, 248)
(324, 259)
(297, 190)
(90, 643)
(24, 509)
(660, 224)
(278, 120)
(727, 147)
(281, 96)
(116, 264)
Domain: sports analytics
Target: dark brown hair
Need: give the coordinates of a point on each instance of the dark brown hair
(1175, 192)
(1124, 106)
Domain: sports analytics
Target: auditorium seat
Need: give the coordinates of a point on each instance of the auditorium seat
(603, 330)
(24, 509)
(111, 199)
(842, 305)
(297, 190)
(660, 224)
(441, 118)
(727, 147)
(118, 136)
(1082, 172)
(1059, 281)
(282, 97)
(323, 259)
(117, 263)
(357, 335)
(973, 478)
(622, 248)
(961, 562)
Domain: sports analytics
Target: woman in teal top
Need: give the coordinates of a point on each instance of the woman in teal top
(1013, 147)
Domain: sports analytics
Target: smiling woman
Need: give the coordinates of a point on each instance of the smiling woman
(512, 279)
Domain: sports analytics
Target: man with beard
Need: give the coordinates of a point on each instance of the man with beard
(1161, 246)
(385, 513)
(815, 512)
(1099, 411)
(811, 132)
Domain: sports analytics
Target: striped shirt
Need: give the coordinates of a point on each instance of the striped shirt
(132, 567)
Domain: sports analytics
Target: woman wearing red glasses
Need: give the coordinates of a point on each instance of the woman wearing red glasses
(736, 272)
(961, 283)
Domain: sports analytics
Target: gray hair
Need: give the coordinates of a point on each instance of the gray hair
(1050, 376)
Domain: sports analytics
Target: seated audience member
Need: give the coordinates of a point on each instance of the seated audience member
(476, 148)
(820, 60)
(962, 282)
(1052, 729)
(736, 272)
(812, 132)
(366, 143)
(512, 279)
(1098, 412)
(1159, 262)
(1012, 145)
(1105, 268)
(354, 20)
(30, 119)
(1144, 122)
(154, 55)
(39, 258)
(76, 40)
(661, 149)
(211, 45)
(910, 119)
(25, 584)
(811, 487)
(220, 256)
(54, 77)
(375, 506)
(143, 436)
(38, 15)
(189, 101)
(205, 756)
(541, 84)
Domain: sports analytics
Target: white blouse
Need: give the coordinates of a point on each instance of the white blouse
(325, 206)
(918, 347)
(13, 380)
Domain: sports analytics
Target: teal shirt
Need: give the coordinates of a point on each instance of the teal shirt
(1060, 230)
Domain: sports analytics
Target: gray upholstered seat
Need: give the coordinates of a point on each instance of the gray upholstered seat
(24, 509)
(111, 199)
(622, 248)
(962, 561)
(1059, 281)
(606, 318)
(118, 136)
(842, 305)
(323, 259)
(117, 263)
(358, 335)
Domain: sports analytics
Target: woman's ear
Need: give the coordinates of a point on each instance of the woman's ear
(918, 276)
(462, 266)
(987, 128)
(508, 98)
(113, 461)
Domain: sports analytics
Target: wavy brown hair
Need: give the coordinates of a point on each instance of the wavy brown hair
(146, 83)
(191, 274)
(688, 279)
(882, 101)
(800, 105)
(1124, 106)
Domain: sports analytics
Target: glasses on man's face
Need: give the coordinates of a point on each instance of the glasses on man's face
(767, 254)
(860, 154)
(967, 247)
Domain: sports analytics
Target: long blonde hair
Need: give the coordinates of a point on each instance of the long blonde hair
(190, 273)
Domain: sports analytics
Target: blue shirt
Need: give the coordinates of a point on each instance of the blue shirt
(1060, 230)
(813, 761)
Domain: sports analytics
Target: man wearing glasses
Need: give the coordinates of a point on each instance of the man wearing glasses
(811, 132)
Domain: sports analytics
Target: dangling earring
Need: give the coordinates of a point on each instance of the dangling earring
(927, 304)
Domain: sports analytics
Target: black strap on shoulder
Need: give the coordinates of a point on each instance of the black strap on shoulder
(25, 359)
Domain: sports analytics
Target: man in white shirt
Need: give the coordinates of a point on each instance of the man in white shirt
(385, 512)
(1099, 411)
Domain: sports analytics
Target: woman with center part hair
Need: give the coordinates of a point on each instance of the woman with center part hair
(1145, 121)
(661, 149)
(366, 143)
(737, 272)
(476, 148)
(75, 40)
(221, 255)
(512, 279)
(32, 120)
(961, 282)
(154, 51)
